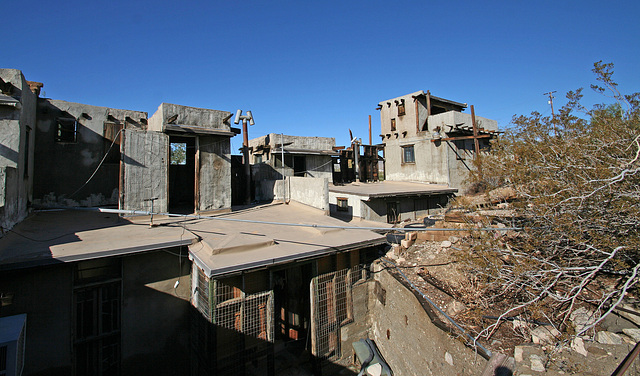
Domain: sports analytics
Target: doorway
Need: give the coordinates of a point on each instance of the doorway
(182, 172)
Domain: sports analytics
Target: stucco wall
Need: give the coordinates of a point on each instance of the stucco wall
(354, 205)
(15, 125)
(62, 168)
(309, 191)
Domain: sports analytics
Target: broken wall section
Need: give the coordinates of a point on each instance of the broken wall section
(17, 138)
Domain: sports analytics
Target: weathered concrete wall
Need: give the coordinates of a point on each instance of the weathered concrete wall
(191, 116)
(155, 321)
(293, 142)
(215, 173)
(45, 296)
(63, 167)
(17, 139)
(145, 163)
(409, 341)
(309, 191)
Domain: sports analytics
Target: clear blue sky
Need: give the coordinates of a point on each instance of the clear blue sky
(318, 68)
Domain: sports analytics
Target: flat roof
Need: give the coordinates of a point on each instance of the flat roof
(221, 244)
(389, 188)
(230, 247)
(51, 237)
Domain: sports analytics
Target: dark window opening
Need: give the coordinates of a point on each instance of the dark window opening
(437, 110)
(97, 301)
(299, 166)
(111, 134)
(393, 125)
(67, 129)
(408, 155)
(401, 110)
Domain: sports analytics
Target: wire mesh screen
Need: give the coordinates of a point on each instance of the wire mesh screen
(331, 308)
(203, 294)
(250, 314)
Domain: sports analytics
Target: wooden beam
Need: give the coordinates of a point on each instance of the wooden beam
(462, 138)
(475, 131)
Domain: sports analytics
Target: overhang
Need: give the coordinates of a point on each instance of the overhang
(196, 130)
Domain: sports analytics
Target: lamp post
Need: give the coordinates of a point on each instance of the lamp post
(245, 150)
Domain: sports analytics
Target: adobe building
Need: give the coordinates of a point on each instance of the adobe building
(96, 156)
(429, 139)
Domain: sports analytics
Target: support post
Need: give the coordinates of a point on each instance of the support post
(370, 141)
(476, 143)
(247, 166)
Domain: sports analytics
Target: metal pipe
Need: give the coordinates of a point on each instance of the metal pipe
(247, 166)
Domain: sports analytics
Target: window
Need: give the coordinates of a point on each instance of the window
(97, 302)
(67, 129)
(393, 125)
(343, 204)
(178, 153)
(408, 155)
(111, 133)
(257, 158)
(401, 108)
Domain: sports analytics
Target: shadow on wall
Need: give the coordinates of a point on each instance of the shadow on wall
(218, 350)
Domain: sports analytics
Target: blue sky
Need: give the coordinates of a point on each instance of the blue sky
(319, 68)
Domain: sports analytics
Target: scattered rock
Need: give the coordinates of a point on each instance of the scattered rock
(631, 312)
(633, 333)
(454, 239)
(445, 244)
(608, 338)
(455, 307)
(536, 363)
(517, 353)
(597, 351)
(577, 345)
(401, 260)
(448, 358)
(392, 254)
(520, 325)
(406, 243)
(545, 335)
(581, 318)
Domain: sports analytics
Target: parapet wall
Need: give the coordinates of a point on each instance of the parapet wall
(309, 191)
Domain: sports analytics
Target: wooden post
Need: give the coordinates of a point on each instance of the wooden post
(475, 131)
(370, 141)
(415, 100)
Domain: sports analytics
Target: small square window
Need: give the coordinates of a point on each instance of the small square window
(343, 203)
(67, 129)
(408, 155)
(401, 109)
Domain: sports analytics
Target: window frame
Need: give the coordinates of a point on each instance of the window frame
(404, 154)
(64, 133)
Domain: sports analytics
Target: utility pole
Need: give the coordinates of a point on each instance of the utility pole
(550, 94)
(245, 150)
(553, 116)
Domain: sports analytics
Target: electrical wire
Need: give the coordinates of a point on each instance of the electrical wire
(221, 218)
